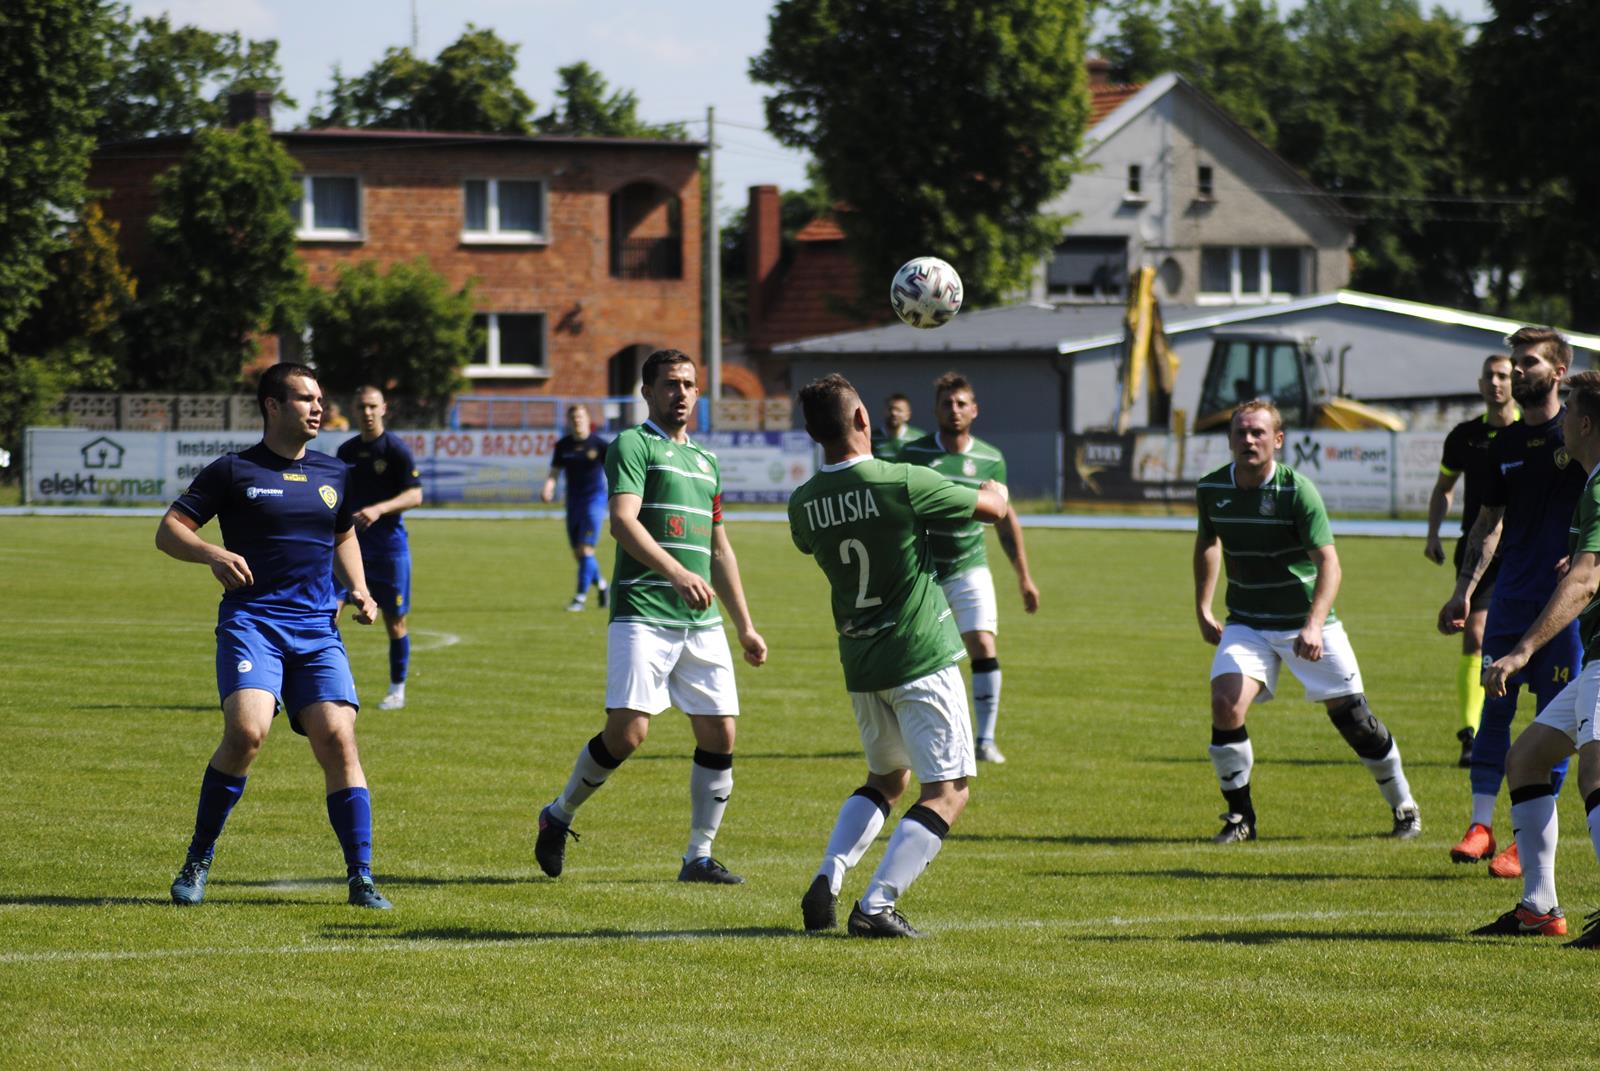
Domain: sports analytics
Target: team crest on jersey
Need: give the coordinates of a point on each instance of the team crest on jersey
(379, 465)
(1269, 505)
(702, 463)
(330, 497)
(1562, 457)
(969, 467)
(592, 453)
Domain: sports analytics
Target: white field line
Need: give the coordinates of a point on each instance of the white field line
(436, 641)
(336, 946)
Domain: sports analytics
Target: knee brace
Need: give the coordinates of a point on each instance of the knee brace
(1361, 729)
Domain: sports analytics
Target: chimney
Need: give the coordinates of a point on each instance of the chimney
(1099, 72)
(249, 104)
(765, 238)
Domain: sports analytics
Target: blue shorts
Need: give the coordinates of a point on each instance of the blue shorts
(1552, 666)
(387, 564)
(300, 660)
(584, 521)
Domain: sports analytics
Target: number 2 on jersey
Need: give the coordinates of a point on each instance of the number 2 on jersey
(860, 549)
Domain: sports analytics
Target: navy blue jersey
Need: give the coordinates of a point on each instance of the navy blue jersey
(282, 517)
(379, 470)
(1537, 483)
(584, 462)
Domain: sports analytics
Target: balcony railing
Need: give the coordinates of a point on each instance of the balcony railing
(647, 258)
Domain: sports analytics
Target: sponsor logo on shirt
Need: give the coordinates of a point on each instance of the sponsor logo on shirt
(295, 477)
(330, 497)
(1507, 466)
(263, 492)
(245, 665)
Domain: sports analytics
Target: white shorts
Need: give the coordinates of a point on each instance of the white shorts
(650, 668)
(922, 726)
(1258, 654)
(1574, 709)
(971, 597)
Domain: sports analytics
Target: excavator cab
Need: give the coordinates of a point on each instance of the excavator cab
(1282, 367)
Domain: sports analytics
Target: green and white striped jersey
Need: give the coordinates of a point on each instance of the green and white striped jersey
(959, 545)
(680, 488)
(866, 522)
(1266, 535)
(1585, 536)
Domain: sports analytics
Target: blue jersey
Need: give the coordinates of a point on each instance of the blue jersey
(379, 470)
(1537, 483)
(281, 516)
(584, 462)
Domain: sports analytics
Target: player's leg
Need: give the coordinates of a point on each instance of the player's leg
(1469, 681)
(392, 592)
(581, 538)
(977, 614)
(1589, 784)
(1244, 670)
(934, 727)
(638, 659)
(591, 540)
(701, 685)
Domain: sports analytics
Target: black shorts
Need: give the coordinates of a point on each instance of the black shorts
(1485, 589)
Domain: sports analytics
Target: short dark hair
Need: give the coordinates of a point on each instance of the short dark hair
(1493, 358)
(368, 388)
(827, 404)
(658, 360)
(274, 383)
(1583, 394)
(952, 381)
(1556, 348)
(897, 397)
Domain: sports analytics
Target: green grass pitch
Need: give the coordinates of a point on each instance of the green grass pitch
(1078, 915)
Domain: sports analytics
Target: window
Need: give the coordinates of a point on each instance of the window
(513, 345)
(1135, 191)
(329, 207)
(1241, 274)
(1205, 184)
(1088, 269)
(503, 210)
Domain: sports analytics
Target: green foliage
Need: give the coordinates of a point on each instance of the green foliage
(404, 330)
(470, 87)
(224, 238)
(78, 321)
(588, 107)
(796, 208)
(945, 125)
(170, 80)
(49, 57)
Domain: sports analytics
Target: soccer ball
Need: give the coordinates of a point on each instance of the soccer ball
(926, 292)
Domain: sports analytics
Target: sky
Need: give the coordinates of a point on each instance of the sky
(679, 58)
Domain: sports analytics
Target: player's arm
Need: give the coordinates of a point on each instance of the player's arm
(994, 502)
(1572, 594)
(1438, 506)
(1009, 529)
(348, 571)
(1308, 644)
(632, 537)
(725, 578)
(1482, 542)
(367, 516)
(178, 537)
(1207, 567)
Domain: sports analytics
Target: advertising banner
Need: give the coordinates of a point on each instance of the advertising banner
(761, 466)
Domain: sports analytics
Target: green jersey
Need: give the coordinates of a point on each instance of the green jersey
(957, 546)
(888, 446)
(680, 492)
(866, 523)
(1267, 533)
(1585, 536)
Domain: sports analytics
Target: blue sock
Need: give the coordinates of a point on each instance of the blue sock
(399, 658)
(350, 814)
(218, 793)
(588, 573)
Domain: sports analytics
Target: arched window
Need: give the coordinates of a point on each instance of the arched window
(646, 232)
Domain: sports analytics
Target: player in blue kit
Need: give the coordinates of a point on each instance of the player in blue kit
(581, 454)
(384, 482)
(286, 532)
(1532, 487)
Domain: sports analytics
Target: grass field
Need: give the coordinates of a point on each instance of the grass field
(1078, 915)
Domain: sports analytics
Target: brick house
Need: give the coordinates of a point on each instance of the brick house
(585, 252)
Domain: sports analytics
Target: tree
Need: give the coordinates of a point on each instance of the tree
(49, 55)
(945, 125)
(587, 107)
(796, 208)
(163, 79)
(403, 330)
(224, 238)
(470, 87)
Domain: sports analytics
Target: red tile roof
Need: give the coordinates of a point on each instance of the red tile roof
(1103, 100)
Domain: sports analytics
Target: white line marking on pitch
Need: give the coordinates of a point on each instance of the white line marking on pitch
(438, 642)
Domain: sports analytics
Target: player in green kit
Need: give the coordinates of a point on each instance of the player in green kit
(1267, 522)
(897, 428)
(959, 552)
(865, 522)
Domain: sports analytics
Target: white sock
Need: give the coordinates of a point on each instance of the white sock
(986, 703)
(1391, 777)
(854, 830)
(1534, 824)
(912, 847)
(1233, 763)
(709, 790)
(588, 774)
(397, 688)
(1483, 809)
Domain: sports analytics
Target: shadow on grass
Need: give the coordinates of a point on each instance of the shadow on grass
(165, 902)
(347, 931)
(181, 708)
(746, 755)
(1272, 937)
(384, 880)
(1191, 874)
(1080, 840)
(1347, 759)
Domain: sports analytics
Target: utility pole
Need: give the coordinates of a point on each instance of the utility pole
(713, 275)
(414, 34)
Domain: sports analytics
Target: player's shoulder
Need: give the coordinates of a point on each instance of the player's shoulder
(1217, 478)
(318, 461)
(347, 450)
(1293, 480)
(984, 450)
(924, 446)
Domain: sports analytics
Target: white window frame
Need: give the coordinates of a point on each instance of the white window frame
(306, 232)
(494, 235)
(1237, 294)
(1129, 194)
(492, 368)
